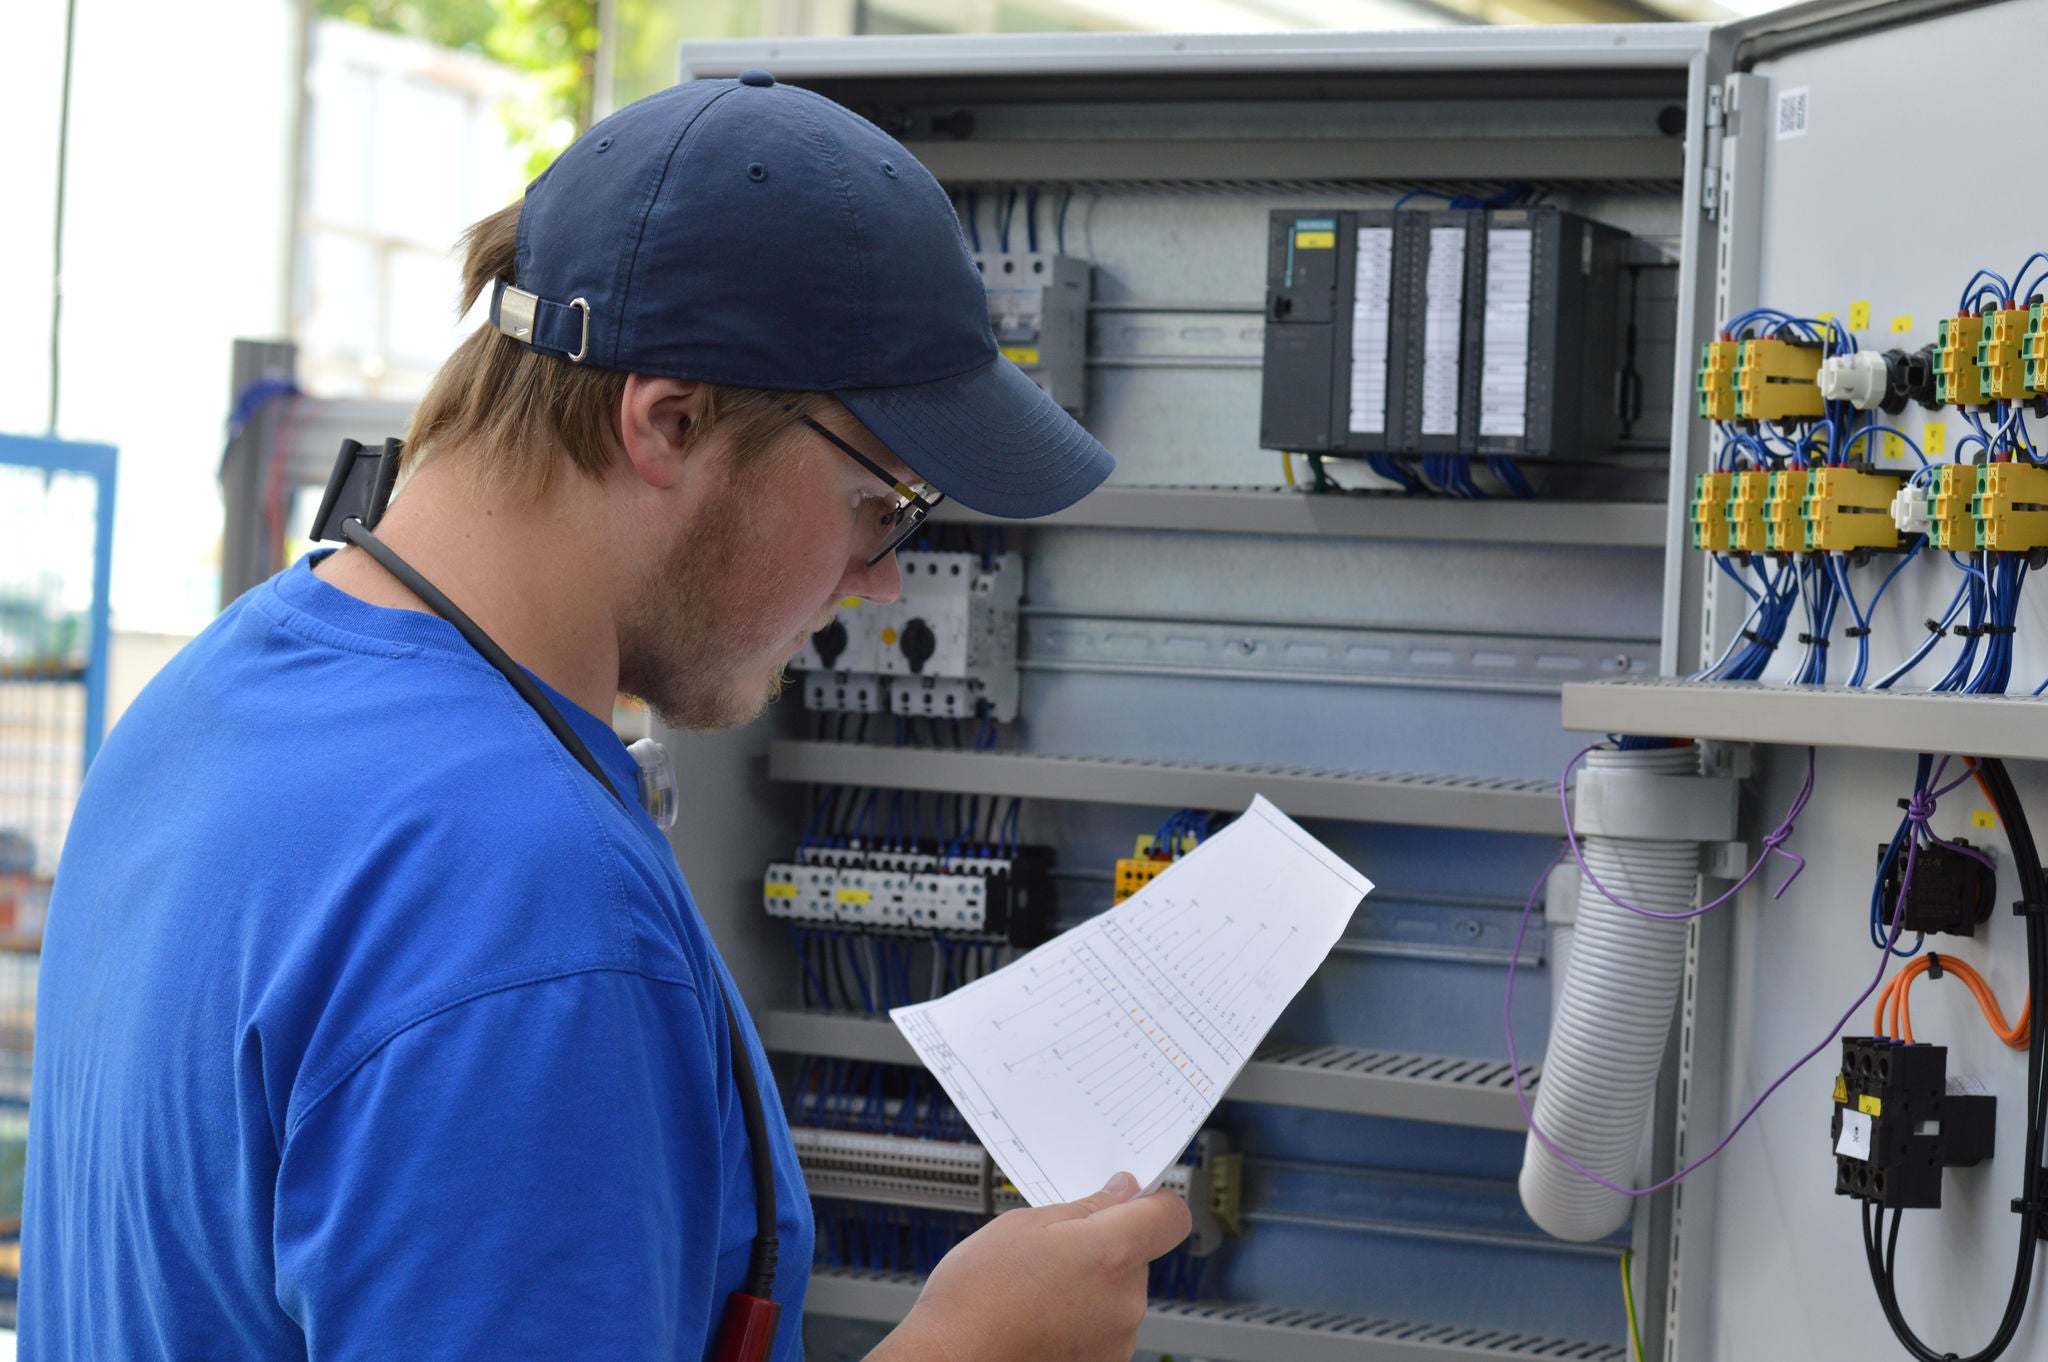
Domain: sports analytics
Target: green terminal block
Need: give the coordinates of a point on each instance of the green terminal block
(1717, 381)
(1777, 380)
(1950, 526)
(1999, 357)
(1746, 512)
(2034, 351)
(1958, 381)
(1849, 509)
(1784, 527)
(2011, 507)
(1709, 511)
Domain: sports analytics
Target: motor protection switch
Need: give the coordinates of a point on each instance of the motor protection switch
(1899, 1120)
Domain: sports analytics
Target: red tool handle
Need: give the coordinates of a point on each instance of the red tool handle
(748, 1330)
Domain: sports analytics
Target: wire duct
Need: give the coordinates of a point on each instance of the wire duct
(1612, 1015)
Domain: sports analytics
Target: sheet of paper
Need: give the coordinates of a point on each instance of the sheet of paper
(1105, 1049)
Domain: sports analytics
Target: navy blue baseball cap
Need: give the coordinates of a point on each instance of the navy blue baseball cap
(754, 234)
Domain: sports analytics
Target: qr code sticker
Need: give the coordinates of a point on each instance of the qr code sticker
(1792, 113)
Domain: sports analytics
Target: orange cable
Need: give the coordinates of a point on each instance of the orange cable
(2014, 1035)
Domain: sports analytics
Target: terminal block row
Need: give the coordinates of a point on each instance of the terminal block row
(1989, 508)
(1794, 510)
(916, 893)
(958, 1175)
(1898, 1123)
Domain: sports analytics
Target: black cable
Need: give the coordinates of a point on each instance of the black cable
(2033, 903)
(761, 1265)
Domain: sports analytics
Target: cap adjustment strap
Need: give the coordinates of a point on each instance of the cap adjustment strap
(562, 328)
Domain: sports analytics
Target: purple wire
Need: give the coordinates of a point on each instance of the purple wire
(1522, 930)
(1774, 845)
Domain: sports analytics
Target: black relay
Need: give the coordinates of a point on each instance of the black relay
(1897, 1125)
(1952, 891)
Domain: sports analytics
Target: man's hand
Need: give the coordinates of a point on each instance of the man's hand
(1048, 1284)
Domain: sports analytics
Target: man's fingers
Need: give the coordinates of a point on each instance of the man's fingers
(1117, 1190)
(1155, 1224)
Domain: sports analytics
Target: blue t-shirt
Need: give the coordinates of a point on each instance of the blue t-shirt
(371, 1026)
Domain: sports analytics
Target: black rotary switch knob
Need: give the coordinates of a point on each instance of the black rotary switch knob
(829, 642)
(919, 643)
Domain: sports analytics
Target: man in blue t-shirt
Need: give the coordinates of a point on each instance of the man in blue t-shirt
(371, 1023)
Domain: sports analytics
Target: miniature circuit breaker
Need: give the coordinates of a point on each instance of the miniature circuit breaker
(1038, 308)
(945, 649)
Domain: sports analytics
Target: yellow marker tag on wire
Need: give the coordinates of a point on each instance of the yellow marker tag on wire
(1859, 316)
(1869, 1105)
(1933, 438)
(1902, 323)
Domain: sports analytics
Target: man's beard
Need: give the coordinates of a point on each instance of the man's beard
(693, 647)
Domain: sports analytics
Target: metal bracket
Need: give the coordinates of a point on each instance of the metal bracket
(1710, 188)
(1666, 808)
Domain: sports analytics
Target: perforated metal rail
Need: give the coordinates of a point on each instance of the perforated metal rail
(1825, 716)
(1246, 1333)
(1476, 1093)
(1494, 804)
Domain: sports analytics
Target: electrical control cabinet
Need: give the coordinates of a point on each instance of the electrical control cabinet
(1387, 665)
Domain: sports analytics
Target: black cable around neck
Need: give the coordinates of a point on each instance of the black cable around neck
(767, 1230)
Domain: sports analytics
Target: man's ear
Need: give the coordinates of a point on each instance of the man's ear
(658, 426)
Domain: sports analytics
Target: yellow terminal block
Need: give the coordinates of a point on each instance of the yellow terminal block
(1950, 526)
(1958, 381)
(1777, 380)
(1784, 527)
(1709, 512)
(1135, 872)
(2034, 351)
(1746, 512)
(2011, 507)
(1717, 381)
(1998, 355)
(1847, 509)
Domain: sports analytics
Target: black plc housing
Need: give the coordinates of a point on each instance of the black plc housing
(1481, 332)
(1916, 1126)
(1951, 892)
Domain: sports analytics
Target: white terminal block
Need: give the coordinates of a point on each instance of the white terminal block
(1656, 807)
(800, 893)
(1860, 379)
(1909, 509)
(845, 693)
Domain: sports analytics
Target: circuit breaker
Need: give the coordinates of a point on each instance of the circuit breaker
(945, 649)
(1038, 308)
(1473, 332)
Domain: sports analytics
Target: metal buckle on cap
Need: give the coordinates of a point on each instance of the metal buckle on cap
(584, 348)
(515, 311)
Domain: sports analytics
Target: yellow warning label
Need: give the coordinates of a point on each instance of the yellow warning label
(1315, 241)
(1870, 1106)
(1859, 316)
(1894, 446)
(1983, 818)
(1902, 323)
(1841, 1088)
(1825, 317)
(1020, 354)
(779, 891)
(1933, 438)
(854, 896)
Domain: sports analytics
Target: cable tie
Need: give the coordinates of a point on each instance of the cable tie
(1998, 629)
(1933, 965)
(1759, 640)
(1857, 632)
(2025, 908)
(1935, 627)
(1813, 639)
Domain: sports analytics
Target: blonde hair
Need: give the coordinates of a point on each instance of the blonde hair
(519, 415)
